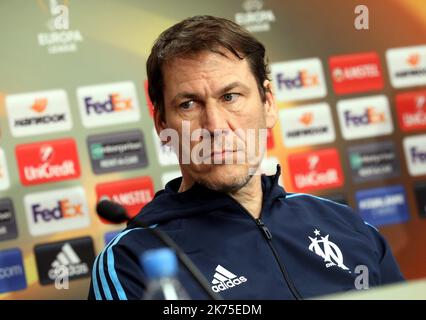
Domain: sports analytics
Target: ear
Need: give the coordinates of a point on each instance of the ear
(271, 110)
(158, 122)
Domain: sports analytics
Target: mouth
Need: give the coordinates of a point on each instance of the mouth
(222, 152)
(220, 155)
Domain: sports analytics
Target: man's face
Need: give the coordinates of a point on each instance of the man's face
(218, 95)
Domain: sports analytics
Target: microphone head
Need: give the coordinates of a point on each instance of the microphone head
(112, 211)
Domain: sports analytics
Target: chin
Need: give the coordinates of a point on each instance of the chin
(224, 177)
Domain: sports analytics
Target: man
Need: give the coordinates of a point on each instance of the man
(248, 237)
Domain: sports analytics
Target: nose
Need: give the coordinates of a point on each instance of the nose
(214, 118)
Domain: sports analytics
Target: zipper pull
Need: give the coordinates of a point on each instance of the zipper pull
(264, 229)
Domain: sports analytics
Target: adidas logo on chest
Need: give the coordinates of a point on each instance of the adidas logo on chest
(223, 279)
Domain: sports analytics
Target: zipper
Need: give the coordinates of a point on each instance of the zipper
(268, 236)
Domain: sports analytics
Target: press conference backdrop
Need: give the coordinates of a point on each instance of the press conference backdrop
(76, 122)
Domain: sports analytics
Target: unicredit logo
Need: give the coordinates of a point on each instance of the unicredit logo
(414, 119)
(303, 80)
(369, 116)
(411, 108)
(316, 170)
(63, 210)
(48, 161)
(114, 103)
(315, 179)
(47, 170)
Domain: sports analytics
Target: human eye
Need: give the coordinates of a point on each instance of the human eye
(186, 105)
(230, 97)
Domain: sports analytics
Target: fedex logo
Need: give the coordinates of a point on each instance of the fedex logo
(302, 80)
(369, 116)
(356, 73)
(114, 103)
(56, 211)
(411, 108)
(316, 170)
(132, 194)
(407, 66)
(415, 154)
(108, 104)
(63, 210)
(38, 113)
(47, 161)
(299, 79)
(364, 117)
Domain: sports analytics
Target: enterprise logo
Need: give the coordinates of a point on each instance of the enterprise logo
(8, 228)
(373, 161)
(117, 151)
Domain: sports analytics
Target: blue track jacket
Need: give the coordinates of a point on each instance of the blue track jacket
(315, 243)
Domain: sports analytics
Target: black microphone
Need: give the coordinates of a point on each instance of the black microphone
(112, 211)
(117, 214)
